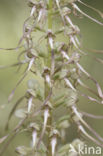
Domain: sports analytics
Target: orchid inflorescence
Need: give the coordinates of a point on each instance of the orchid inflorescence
(57, 65)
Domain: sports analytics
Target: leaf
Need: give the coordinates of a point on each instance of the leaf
(22, 150)
(57, 104)
(71, 98)
(63, 73)
(64, 124)
(42, 149)
(32, 84)
(20, 113)
(40, 93)
(34, 126)
(77, 142)
(65, 117)
(64, 149)
(58, 96)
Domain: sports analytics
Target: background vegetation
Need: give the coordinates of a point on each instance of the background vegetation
(12, 15)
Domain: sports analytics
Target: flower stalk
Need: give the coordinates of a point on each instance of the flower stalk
(57, 73)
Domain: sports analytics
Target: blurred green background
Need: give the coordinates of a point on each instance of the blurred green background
(12, 15)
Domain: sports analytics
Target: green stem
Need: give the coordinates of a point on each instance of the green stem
(50, 14)
(47, 89)
(50, 5)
